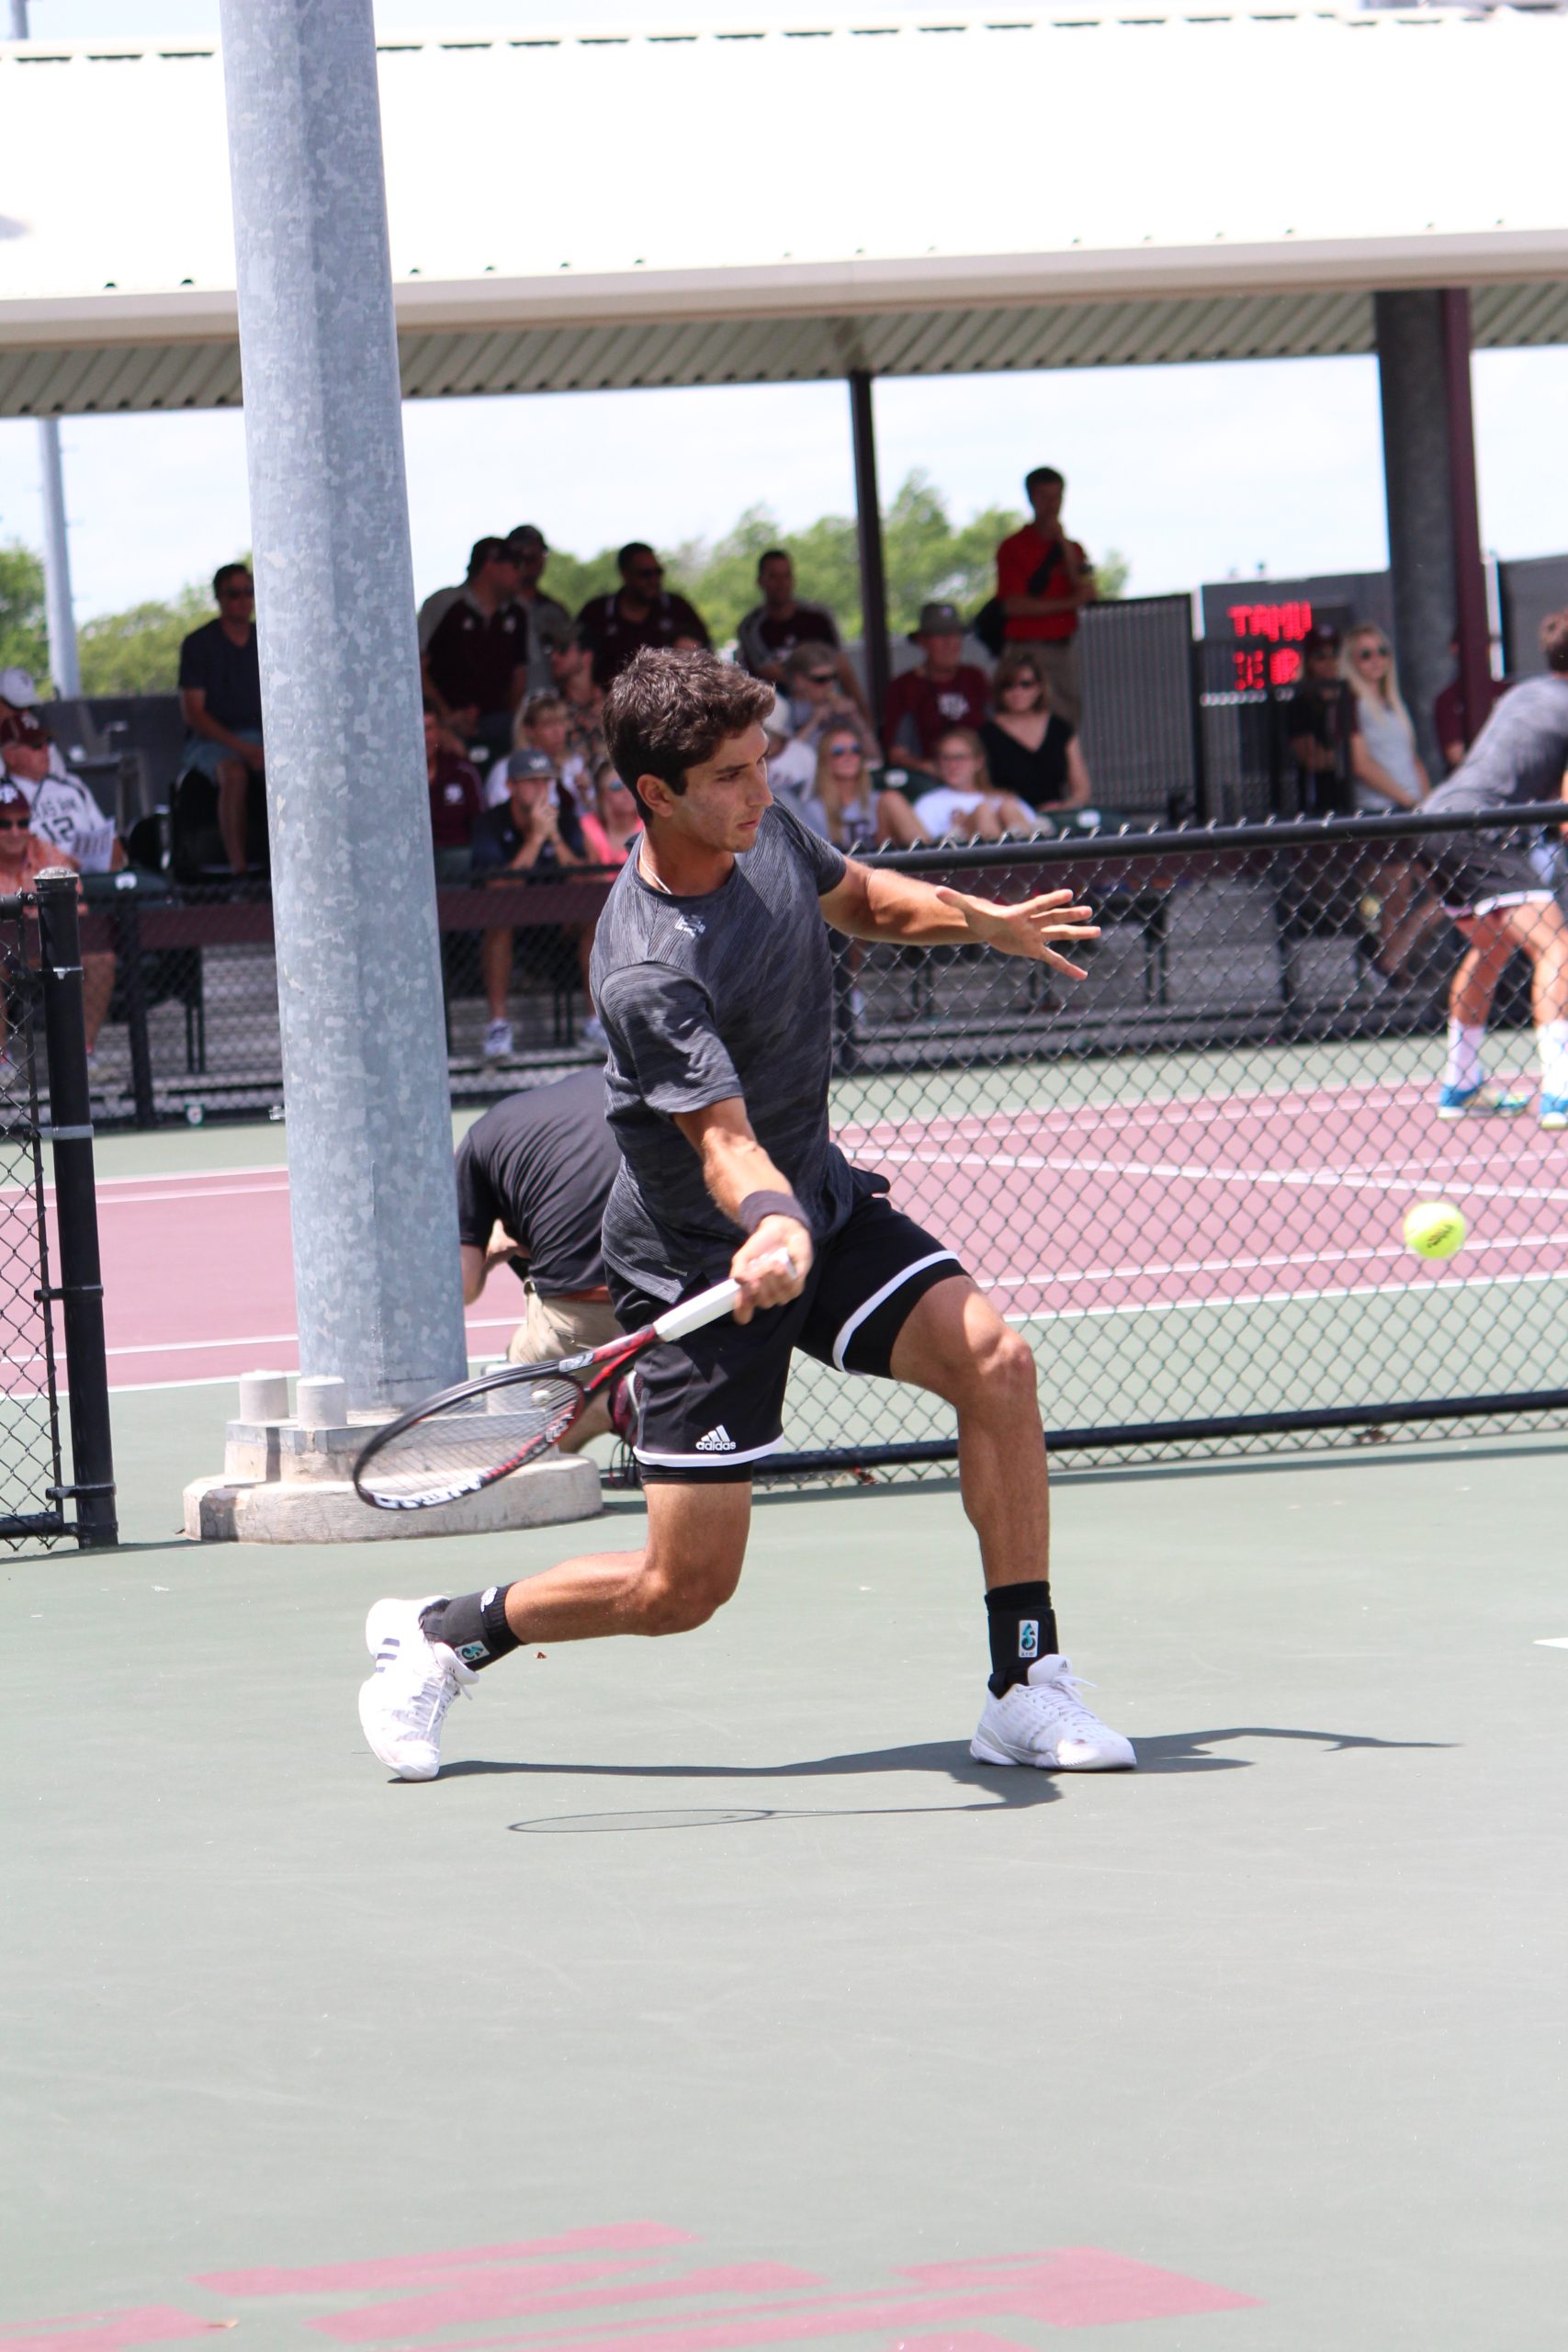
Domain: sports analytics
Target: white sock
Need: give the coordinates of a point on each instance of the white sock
(1464, 1055)
(1551, 1044)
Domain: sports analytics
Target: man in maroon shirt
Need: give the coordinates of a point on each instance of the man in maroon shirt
(476, 663)
(1043, 580)
(944, 692)
(640, 612)
(457, 794)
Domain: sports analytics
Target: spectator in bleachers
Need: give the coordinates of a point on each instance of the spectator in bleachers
(20, 721)
(967, 805)
(1043, 580)
(1031, 750)
(548, 620)
(771, 630)
(610, 826)
(63, 811)
(640, 612)
(813, 700)
(1320, 728)
(542, 725)
(476, 665)
(220, 703)
(844, 806)
(1391, 775)
(946, 691)
(532, 833)
(571, 677)
(456, 796)
(24, 855)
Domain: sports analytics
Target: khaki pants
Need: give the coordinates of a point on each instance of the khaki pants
(553, 1328)
(1058, 660)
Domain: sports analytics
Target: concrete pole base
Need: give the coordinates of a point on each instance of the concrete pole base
(327, 1510)
(289, 1480)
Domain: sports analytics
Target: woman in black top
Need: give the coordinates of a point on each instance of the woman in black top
(1031, 750)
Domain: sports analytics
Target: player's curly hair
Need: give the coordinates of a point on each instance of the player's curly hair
(1555, 640)
(669, 712)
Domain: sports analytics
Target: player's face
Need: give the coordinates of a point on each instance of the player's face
(725, 797)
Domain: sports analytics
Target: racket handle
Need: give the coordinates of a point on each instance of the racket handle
(707, 1307)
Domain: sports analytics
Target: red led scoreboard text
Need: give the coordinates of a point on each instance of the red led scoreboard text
(1270, 636)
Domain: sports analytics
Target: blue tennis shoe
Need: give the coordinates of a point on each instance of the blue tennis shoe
(1486, 1101)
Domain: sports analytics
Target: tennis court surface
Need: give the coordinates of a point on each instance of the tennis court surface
(713, 1997)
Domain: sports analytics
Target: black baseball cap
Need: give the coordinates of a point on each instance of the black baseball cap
(530, 764)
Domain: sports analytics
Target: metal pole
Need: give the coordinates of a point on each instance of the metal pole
(81, 1286)
(868, 533)
(65, 667)
(19, 21)
(1415, 451)
(1471, 625)
(358, 964)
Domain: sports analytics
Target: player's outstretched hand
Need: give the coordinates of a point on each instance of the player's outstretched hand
(1025, 929)
(770, 1265)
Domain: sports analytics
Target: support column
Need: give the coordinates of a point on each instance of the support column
(58, 607)
(1434, 536)
(868, 533)
(358, 965)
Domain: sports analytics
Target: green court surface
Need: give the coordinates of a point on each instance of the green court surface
(725, 1937)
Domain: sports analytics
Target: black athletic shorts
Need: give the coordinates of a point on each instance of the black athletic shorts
(709, 1406)
(1477, 873)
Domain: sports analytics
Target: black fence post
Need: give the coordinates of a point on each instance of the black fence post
(80, 1288)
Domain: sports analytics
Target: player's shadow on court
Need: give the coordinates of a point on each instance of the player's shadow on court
(994, 1790)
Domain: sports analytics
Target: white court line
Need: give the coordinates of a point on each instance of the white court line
(1259, 1265)
(1553, 1642)
(270, 1339)
(1279, 1298)
(1197, 1172)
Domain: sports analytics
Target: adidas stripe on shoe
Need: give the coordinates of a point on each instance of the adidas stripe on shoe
(404, 1704)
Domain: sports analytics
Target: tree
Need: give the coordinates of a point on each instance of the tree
(24, 629)
(138, 651)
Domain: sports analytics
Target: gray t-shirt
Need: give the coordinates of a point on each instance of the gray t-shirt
(704, 999)
(1520, 755)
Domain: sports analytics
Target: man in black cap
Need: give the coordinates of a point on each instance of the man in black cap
(533, 1177)
(946, 691)
(532, 832)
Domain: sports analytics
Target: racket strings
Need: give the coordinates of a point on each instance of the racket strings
(473, 1440)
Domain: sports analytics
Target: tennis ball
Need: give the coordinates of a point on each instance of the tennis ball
(1434, 1229)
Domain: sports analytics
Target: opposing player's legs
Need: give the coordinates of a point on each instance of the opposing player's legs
(955, 1343)
(1536, 928)
(425, 1652)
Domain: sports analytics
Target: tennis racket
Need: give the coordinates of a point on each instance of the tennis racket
(467, 1438)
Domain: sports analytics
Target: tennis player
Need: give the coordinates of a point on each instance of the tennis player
(1497, 898)
(713, 976)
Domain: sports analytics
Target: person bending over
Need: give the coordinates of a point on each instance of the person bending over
(1493, 892)
(713, 979)
(533, 1177)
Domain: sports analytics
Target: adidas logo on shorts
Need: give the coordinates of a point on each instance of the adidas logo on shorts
(717, 1441)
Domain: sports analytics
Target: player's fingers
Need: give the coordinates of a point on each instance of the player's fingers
(1060, 964)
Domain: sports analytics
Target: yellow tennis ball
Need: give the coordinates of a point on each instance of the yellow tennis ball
(1435, 1229)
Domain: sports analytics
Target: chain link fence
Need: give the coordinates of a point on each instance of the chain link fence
(1185, 1179)
(30, 1474)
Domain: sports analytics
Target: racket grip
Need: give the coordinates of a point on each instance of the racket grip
(707, 1307)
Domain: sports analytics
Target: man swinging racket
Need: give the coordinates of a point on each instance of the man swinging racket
(713, 976)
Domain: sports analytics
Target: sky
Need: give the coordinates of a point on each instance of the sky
(1193, 473)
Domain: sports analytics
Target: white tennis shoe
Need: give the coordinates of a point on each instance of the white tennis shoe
(1043, 1721)
(404, 1704)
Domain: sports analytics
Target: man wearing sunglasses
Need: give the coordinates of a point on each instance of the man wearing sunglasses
(771, 631)
(640, 612)
(220, 704)
(815, 701)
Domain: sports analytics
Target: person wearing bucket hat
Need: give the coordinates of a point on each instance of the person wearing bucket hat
(24, 855)
(20, 721)
(946, 691)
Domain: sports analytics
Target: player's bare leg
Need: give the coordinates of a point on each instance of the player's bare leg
(1538, 930)
(427, 1651)
(955, 1343)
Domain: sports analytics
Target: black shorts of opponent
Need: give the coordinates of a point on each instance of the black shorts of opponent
(1477, 873)
(711, 1405)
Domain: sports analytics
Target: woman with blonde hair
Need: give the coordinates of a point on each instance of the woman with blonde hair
(1393, 772)
(842, 806)
(1388, 773)
(967, 805)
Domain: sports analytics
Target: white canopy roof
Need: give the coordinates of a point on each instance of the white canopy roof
(1021, 189)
